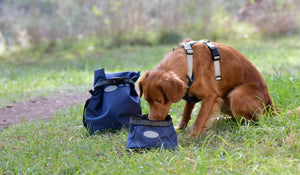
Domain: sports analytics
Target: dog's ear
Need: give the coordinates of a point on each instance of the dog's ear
(186, 40)
(140, 83)
(172, 86)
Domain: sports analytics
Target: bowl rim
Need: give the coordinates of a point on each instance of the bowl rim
(144, 121)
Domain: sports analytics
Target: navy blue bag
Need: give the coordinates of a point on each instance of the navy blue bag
(114, 99)
(145, 133)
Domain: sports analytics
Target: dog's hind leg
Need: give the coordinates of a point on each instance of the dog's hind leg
(249, 102)
(186, 116)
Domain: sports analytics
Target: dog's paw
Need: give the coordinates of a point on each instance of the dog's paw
(181, 126)
(194, 134)
(178, 127)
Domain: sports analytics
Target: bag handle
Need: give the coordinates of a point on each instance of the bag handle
(84, 111)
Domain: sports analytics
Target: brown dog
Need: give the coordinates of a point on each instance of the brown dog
(242, 91)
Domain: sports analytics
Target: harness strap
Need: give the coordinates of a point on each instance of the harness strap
(189, 52)
(216, 58)
(189, 56)
(186, 96)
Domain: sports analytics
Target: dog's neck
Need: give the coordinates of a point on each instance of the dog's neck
(175, 61)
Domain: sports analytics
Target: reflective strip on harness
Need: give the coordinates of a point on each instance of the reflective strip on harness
(189, 56)
(217, 70)
(216, 58)
(190, 65)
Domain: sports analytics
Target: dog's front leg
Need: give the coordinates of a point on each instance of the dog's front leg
(186, 115)
(209, 107)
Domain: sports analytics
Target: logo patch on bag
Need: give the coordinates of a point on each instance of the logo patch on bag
(151, 134)
(111, 88)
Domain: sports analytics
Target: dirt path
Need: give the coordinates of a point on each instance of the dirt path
(38, 108)
(42, 108)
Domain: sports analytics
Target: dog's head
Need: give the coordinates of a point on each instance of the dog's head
(160, 90)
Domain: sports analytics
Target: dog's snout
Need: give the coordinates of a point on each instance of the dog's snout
(156, 116)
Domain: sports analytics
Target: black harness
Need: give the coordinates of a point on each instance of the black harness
(215, 56)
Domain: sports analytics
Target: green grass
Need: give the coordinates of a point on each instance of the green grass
(38, 72)
(62, 146)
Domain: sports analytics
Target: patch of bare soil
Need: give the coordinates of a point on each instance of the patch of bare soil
(38, 108)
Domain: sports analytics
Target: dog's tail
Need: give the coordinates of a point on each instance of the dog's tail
(275, 111)
(295, 110)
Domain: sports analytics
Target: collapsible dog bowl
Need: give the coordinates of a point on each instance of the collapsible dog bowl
(145, 133)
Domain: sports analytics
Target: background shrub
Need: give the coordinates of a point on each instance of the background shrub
(118, 22)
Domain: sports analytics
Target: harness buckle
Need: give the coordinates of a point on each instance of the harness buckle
(216, 57)
(210, 45)
(218, 78)
(189, 51)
